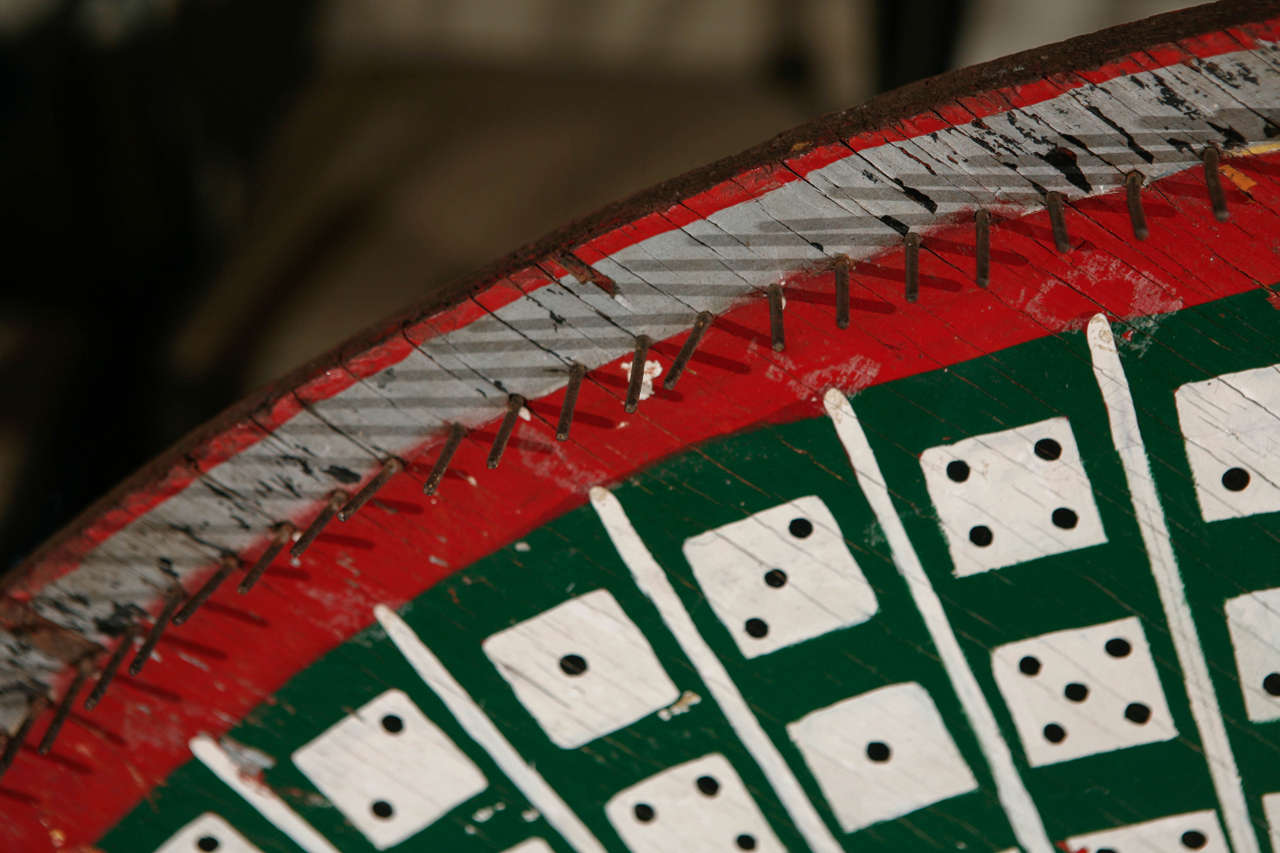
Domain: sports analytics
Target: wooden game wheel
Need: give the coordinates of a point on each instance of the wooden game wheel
(909, 482)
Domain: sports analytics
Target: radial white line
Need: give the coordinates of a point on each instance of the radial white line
(482, 730)
(258, 795)
(653, 582)
(1018, 806)
(1149, 513)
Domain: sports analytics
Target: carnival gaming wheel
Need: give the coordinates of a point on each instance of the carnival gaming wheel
(910, 482)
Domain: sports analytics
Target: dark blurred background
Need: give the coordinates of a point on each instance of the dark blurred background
(198, 195)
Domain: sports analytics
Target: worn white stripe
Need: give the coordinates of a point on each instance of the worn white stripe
(653, 582)
(482, 730)
(1149, 513)
(1021, 811)
(258, 795)
(663, 280)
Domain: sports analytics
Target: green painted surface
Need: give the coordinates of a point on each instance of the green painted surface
(730, 478)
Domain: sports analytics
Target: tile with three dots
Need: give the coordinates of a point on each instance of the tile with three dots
(206, 834)
(1193, 832)
(1253, 620)
(1231, 425)
(1083, 691)
(389, 770)
(881, 755)
(700, 806)
(780, 576)
(582, 669)
(1008, 497)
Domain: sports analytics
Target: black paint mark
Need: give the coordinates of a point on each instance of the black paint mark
(1229, 134)
(1137, 149)
(895, 224)
(1064, 160)
(919, 197)
(342, 475)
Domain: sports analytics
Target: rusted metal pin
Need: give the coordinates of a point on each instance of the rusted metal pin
(172, 599)
(228, 564)
(1133, 197)
(456, 433)
(1058, 221)
(1213, 181)
(911, 266)
(390, 468)
(576, 372)
(280, 536)
(113, 666)
(635, 383)
(514, 404)
(776, 330)
(337, 499)
(585, 273)
(842, 291)
(14, 744)
(982, 247)
(68, 699)
(700, 325)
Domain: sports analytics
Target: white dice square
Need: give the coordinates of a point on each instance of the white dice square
(1083, 691)
(1231, 425)
(881, 755)
(1253, 620)
(582, 669)
(389, 770)
(205, 833)
(1008, 497)
(700, 806)
(781, 576)
(1193, 832)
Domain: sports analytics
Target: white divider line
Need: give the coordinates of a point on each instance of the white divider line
(1021, 811)
(653, 582)
(482, 730)
(258, 795)
(1149, 513)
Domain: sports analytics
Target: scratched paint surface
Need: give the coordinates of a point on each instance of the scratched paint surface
(729, 479)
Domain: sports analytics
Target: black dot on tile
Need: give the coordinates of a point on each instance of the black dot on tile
(1047, 448)
(878, 751)
(393, 724)
(1106, 850)
(708, 785)
(1064, 518)
(1055, 733)
(644, 812)
(1235, 479)
(382, 809)
(1118, 647)
(756, 627)
(980, 535)
(1194, 839)
(800, 527)
(573, 664)
(207, 843)
(1029, 665)
(1076, 692)
(746, 842)
(775, 578)
(1136, 712)
(958, 470)
(1271, 683)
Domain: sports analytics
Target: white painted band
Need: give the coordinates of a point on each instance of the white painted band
(1149, 513)
(258, 795)
(653, 582)
(482, 730)
(1021, 811)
